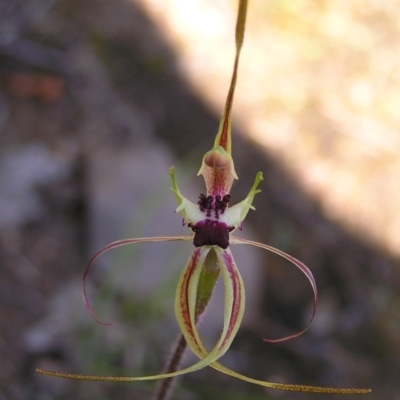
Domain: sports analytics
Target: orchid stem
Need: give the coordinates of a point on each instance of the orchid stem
(164, 389)
(211, 270)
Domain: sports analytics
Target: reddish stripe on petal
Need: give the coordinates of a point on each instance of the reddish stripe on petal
(184, 301)
(224, 140)
(237, 294)
(184, 307)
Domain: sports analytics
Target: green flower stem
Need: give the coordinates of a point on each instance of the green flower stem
(164, 388)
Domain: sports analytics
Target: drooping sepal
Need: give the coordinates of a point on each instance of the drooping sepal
(233, 314)
(288, 386)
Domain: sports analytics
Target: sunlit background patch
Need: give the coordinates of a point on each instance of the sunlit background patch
(319, 90)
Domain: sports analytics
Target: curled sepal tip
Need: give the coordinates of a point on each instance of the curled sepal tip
(302, 267)
(185, 305)
(114, 245)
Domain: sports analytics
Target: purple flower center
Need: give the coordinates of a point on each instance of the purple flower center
(211, 231)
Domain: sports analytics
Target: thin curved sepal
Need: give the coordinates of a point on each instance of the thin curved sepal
(218, 367)
(204, 361)
(114, 245)
(303, 268)
(288, 387)
(234, 301)
(190, 277)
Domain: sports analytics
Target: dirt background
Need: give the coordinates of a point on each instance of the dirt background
(94, 107)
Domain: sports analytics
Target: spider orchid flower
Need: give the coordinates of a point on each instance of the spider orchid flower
(212, 222)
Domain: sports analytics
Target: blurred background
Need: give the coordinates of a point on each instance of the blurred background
(98, 99)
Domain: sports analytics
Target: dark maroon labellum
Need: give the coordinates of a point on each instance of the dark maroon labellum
(211, 233)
